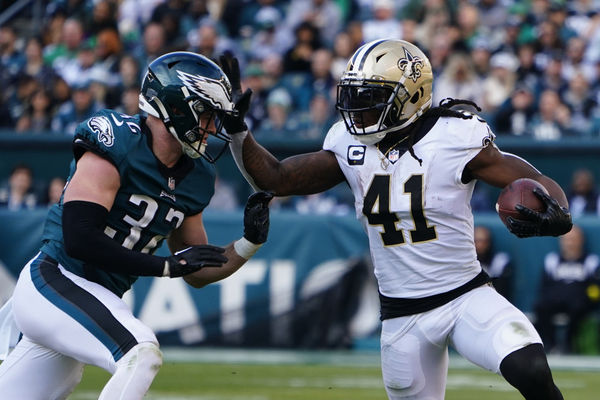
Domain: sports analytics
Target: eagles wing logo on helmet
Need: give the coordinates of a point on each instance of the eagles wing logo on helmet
(213, 91)
(411, 65)
(103, 128)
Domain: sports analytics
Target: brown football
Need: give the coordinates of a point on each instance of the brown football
(519, 192)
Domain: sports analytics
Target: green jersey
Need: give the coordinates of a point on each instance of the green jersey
(151, 202)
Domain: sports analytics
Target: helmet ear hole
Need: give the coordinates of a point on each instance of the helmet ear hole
(417, 96)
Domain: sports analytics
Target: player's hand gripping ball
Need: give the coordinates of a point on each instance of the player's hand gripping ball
(519, 192)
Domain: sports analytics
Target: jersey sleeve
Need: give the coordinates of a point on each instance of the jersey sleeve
(473, 135)
(103, 135)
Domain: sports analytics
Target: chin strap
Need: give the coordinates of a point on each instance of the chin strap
(236, 144)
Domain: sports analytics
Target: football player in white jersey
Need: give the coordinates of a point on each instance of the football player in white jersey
(412, 169)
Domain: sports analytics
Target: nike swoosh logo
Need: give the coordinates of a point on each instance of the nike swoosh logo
(117, 122)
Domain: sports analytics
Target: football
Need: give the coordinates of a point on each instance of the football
(519, 192)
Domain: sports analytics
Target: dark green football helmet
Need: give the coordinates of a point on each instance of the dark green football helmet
(177, 88)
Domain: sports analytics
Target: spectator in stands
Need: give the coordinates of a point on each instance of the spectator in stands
(18, 194)
(551, 78)
(19, 100)
(279, 123)
(298, 57)
(500, 83)
(35, 65)
(469, 28)
(383, 22)
(129, 71)
(321, 78)
(37, 117)
(267, 38)
(548, 43)
(80, 68)
(342, 50)
(582, 103)
(575, 63)
(316, 122)
(210, 42)
(557, 14)
(129, 100)
(497, 264)
(458, 80)
(528, 72)
(72, 37)
(514, 114)
(568, 280)
(81, 107)
(102, 17)
(169, 14)
(324, 15)
(553, 118)
(54, 190)
(152, 46)
(254, 79)
(481, 54)
(12, 60)
(583, 196)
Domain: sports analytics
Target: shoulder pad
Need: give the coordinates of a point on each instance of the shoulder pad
(108, 133)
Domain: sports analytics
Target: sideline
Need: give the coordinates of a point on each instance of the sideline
(350, 358)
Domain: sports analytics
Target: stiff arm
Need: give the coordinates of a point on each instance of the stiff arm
(301, 174)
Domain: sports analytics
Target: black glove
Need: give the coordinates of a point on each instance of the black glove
(195, 258)
(256, 217)
(234, 123)
(555, 221)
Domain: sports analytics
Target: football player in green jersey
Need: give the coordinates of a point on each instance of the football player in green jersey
(135, 181)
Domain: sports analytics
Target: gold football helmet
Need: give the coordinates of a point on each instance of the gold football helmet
(386, 86)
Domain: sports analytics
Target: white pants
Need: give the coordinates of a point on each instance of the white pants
(66, 321)
(481, 325)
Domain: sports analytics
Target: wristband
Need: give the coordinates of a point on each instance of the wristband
(245, 248)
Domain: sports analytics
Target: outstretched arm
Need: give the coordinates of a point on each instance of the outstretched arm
(302, 174)
(297, 175)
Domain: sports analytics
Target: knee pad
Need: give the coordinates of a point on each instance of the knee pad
(144, 355)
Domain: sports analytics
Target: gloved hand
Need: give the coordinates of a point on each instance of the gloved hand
(235, 123)
(256, 217)
(555, 221)
(192, 259)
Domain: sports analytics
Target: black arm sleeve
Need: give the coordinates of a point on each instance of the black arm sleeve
(83, 225)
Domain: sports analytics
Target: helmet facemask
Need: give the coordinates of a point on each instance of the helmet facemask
(371, 108)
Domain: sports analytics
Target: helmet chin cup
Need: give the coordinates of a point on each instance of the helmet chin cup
(368, 138)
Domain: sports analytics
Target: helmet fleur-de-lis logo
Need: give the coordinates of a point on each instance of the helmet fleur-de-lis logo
(411, 65)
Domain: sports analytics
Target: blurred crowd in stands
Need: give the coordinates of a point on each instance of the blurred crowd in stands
(533, 66)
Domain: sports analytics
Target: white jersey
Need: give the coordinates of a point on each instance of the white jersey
(418, 217)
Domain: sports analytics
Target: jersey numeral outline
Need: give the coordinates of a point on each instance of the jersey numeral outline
(379, 194)
(149, 207)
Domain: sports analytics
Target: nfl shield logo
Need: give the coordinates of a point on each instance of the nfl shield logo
(394, 155)
(171, 183)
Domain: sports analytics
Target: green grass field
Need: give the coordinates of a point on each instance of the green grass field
(315, 378)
